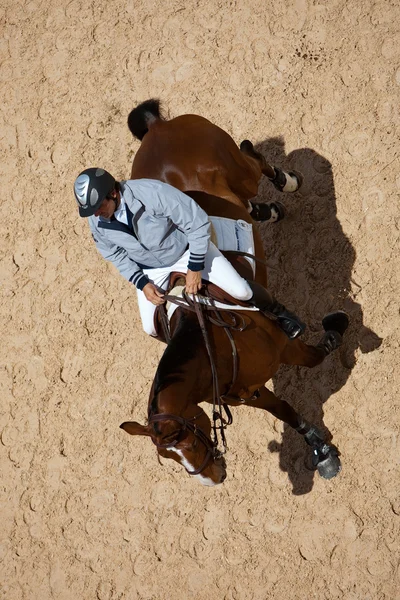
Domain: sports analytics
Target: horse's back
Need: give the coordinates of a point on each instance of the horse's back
(192, 154)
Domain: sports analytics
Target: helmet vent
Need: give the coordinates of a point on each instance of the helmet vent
(81, 189)
(94, 196)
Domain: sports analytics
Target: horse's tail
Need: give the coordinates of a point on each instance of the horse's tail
(142, 117)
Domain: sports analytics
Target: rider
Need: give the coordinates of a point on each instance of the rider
(148, 229)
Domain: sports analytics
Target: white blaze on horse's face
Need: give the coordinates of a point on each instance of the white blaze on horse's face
(185, 463)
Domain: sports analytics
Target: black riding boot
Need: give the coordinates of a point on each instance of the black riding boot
(267, 304)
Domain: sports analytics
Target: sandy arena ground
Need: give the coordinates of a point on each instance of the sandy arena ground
(86, 511)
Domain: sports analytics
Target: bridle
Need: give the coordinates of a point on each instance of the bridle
(190, 425)
(237, 323)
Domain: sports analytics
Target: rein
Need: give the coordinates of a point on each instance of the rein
(237, 324)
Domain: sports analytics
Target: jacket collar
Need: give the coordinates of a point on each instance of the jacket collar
(132, 217)
(116, 225)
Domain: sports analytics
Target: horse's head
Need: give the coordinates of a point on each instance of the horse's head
(187, 441)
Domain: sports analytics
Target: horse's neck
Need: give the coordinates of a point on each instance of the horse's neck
(183, 375)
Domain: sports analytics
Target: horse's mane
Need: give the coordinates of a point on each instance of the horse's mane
(181, 349)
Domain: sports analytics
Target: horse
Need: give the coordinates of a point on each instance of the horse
(207, 359)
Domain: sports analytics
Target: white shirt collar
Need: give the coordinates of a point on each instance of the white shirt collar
(120, 213)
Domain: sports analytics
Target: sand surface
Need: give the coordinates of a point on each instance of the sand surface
(87, 512)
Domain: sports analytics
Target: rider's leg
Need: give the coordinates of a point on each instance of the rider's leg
(218, 270)
(160, 278)
(287, 320)
(146, 310)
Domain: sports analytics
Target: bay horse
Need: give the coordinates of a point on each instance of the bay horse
(202, 160)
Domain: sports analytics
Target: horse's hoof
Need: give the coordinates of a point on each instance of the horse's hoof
(267, 212)
(277, 211)
(330, 466)
(337, 321)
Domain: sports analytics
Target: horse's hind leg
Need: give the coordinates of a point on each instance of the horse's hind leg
(284, 181)
(248, 149)
(325, 456)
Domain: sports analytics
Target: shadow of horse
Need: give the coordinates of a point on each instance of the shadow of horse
(310, 261)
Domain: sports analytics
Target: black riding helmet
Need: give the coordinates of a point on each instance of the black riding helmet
(90, 188)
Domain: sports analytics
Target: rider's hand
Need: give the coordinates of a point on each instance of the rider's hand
(153, 294)
(193, 281)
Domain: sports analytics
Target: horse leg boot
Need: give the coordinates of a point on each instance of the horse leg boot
(325, 457)
(272, 212)
(266, 212)
(267, 304)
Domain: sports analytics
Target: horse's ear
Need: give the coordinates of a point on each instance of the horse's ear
(134, 428)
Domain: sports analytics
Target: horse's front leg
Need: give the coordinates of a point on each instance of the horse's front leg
(298, 353)
(325, 456)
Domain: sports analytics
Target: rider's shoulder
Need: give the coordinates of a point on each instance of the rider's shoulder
(145, 184)
(151, 193)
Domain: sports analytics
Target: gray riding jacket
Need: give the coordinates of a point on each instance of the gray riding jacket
(162, 223)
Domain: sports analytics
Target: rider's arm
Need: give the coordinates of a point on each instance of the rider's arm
(120, 259)
(187, 215)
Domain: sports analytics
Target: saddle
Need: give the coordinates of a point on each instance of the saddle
(210, 292)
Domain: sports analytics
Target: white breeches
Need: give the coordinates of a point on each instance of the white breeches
(217, 269)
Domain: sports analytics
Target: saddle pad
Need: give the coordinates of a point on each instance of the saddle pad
(226, 234)
(229, 234)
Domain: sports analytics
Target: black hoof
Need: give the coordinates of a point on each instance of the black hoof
(330, 466)
(267, 212)
(337, 321)
(261, 212)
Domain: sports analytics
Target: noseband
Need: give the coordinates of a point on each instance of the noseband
(188, 424)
